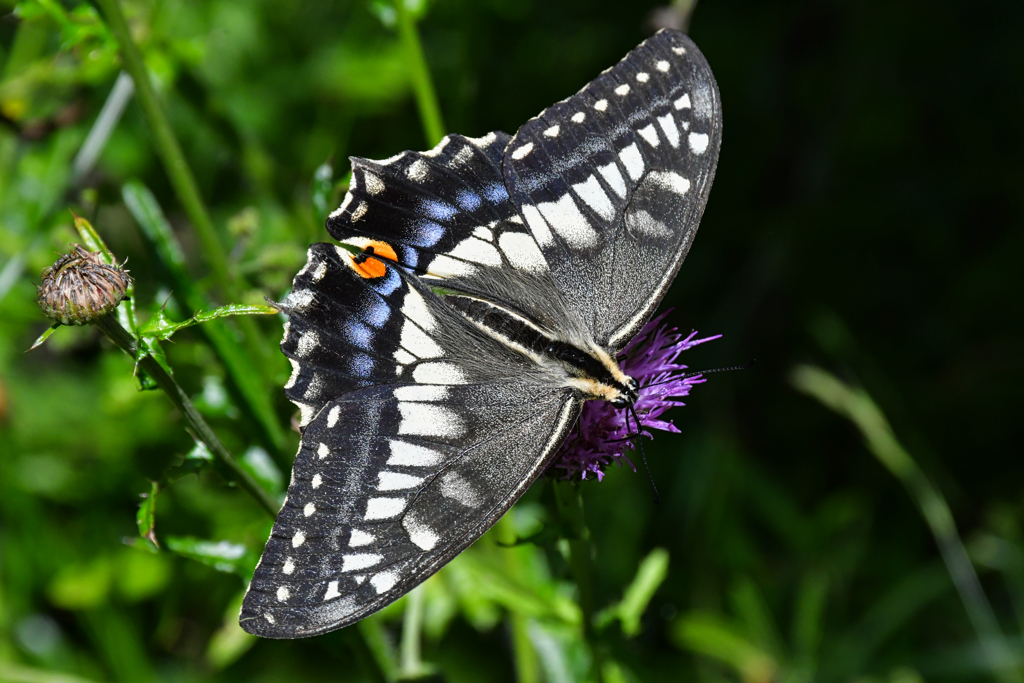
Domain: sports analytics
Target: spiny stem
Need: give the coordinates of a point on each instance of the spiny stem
(426, 96)
(124, 341)
(568, 497)
(858, 407)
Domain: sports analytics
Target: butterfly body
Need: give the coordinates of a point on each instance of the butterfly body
(482, 292)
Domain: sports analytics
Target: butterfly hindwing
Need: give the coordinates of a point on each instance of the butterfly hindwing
(613, 181)
(409, 463)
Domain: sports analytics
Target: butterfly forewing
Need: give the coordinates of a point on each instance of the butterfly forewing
(613, 181)
(417, 455)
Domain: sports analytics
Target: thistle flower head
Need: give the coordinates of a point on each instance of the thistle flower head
(603, 433)
(80, 288)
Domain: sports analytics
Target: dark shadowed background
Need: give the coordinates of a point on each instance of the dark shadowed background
(866, 218)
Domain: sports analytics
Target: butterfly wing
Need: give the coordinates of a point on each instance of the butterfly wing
(613, 181)
(419, 432)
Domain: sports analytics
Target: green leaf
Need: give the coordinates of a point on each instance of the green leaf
(195, 461)
(651, 574)
(224, 556)
(145, 518)
(709, 635)
(159, 327)
(229, 642)
(44, 336)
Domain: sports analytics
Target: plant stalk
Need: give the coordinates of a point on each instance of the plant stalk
(569, 498)
(858, 407)
(124, 341)
(423, 86)
(180, 174)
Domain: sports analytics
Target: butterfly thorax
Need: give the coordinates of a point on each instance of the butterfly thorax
(583, 366)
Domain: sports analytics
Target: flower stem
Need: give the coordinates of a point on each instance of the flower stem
(180, 174)
(412, 626)
(426, 96)
(124, 341)
(858, 407)
(569, 499)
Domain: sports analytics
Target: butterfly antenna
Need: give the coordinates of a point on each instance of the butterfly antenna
(643, 454)
(746, 366)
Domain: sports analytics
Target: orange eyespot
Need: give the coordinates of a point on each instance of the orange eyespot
(367, 266)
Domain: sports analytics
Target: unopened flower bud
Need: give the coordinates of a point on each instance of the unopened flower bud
(80, 288)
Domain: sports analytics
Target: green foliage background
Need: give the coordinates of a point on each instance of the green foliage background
(866, 217)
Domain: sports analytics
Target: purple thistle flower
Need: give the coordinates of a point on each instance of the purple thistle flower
(601, 435)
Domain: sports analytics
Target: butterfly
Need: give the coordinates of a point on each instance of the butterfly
(479, 296)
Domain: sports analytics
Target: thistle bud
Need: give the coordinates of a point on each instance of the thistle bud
(80, 288)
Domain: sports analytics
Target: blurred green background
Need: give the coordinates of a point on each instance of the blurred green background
(865, 218)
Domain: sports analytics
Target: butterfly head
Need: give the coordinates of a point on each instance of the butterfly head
(629, 393)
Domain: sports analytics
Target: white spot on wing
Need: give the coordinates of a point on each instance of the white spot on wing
(438, 373)
(427, 419)
(298, 539)
(316, 481)
(538, 226)
(359, 538)
(578, 117)
(396, 481)
(591, 192)
(420, 534)
(418, 343)
(445, 266)
(483, 233)
(478, 251)
(332, 417)
(643, 77)
(612, 176)
(458, 488)
(417, 170)
(360, 211)
(698, 142)
(420, 392)
(683, 102)
(415, 308)
(411, 455)
(437, 149)
(522, 252)
(404, 357)
(601, 105)
(631, 159)
(622, 89)
(668, 126)
(384, 508)
(484, 141)
(522, 151)
(662, 65)
(323, 451)
(357, 561)
(295, 374)
(320, 272)
(565, 218)
(332, 591)
(309, 510)
(671, 181)
(552, 132)
(299, 299)
(384, 581)
(649, 134)
(374, 185)
(283, 594)
(679, 50)
(289, 566)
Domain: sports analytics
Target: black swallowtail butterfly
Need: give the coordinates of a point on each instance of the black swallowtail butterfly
(481, 295)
